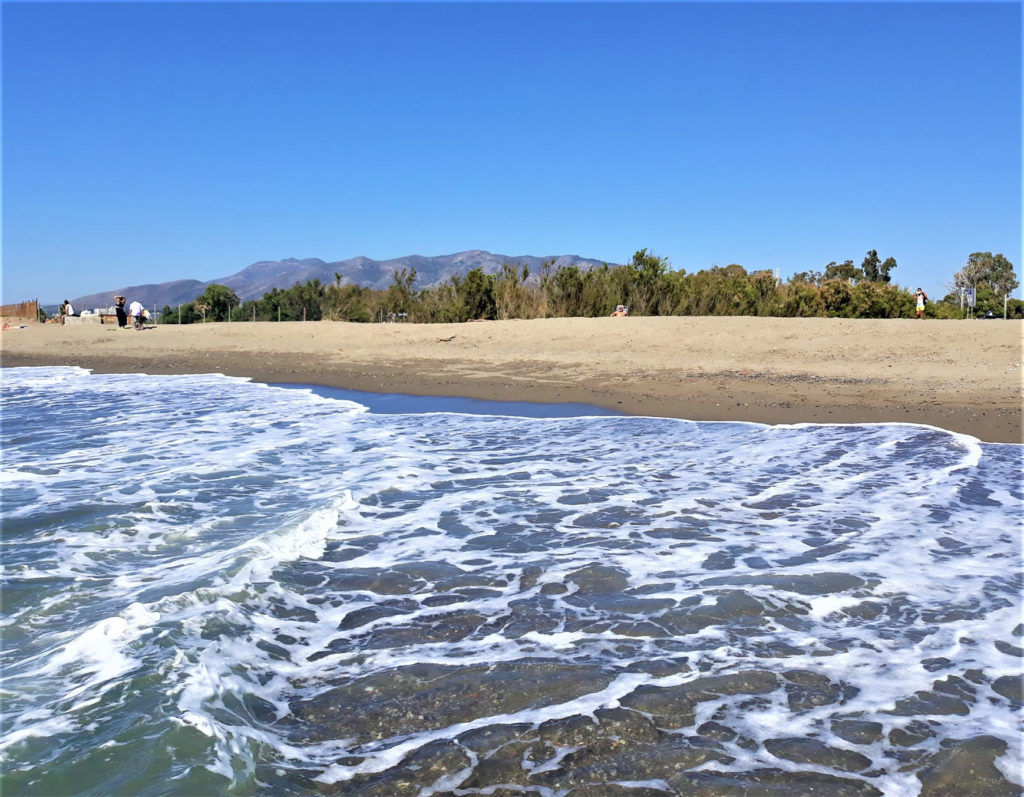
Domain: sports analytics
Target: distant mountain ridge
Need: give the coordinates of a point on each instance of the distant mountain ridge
(259, 278)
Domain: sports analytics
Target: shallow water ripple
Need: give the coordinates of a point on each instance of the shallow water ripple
(210, 584)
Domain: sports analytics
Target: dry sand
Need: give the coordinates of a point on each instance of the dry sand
(959, 375)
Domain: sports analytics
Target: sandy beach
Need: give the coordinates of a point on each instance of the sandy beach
(959, 375)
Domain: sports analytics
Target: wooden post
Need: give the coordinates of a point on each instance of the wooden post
(179, 315)
(279, 313)
(303, 313)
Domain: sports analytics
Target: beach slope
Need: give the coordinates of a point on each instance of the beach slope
(958, 375)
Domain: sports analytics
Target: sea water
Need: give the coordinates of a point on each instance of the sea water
(212, 586)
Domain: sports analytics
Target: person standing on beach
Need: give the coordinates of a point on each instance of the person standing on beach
(122, 317)
(921, 297)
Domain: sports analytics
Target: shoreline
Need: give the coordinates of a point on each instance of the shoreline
(407, 404)
(960, 376)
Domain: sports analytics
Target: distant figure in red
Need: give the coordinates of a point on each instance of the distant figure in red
(921, 297)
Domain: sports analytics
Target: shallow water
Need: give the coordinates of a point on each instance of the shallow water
(212, 586)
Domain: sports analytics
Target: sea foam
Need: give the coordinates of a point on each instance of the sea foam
(285, 589)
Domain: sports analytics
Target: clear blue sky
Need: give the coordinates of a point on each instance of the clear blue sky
(146, 142)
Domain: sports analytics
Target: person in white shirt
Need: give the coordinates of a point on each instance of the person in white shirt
(921, 297)
(135, 311)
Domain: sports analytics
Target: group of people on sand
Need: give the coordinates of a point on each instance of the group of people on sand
(135, 311)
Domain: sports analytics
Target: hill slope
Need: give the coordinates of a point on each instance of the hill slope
(259, 278)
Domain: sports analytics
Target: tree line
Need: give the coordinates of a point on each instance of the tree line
(647, 285)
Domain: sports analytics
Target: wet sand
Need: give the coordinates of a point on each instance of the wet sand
(958, 375)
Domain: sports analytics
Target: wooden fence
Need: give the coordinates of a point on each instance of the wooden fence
(22, 310)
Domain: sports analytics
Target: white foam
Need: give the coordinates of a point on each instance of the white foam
(102, 645)
(220, 536)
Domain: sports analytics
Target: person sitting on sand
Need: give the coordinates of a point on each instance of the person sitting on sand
(921, 297)
(620, 311)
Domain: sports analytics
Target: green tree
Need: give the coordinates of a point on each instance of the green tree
(874, 270)
(186, 312)
(272, 306)
(843, 271)
(401, 296)
(801, 298)
(646, 271)
(216, 302)
(807, 277)
(512, 297)
(349, 302)
(304, 302)
(442, 304)
(978, 275)
(879, 300)
(870, 266)
(301, 302)
(995, 271)
(563, 290)
(603, 289)
(885, 269)
(477, 294)
(836, 295)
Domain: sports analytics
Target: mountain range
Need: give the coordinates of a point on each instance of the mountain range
(259, 278)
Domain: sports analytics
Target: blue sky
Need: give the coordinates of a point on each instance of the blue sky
(146, 142)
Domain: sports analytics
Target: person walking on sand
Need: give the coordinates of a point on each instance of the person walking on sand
(122, 317)
(921, 297)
